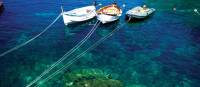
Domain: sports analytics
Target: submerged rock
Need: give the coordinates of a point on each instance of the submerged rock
(90, 78)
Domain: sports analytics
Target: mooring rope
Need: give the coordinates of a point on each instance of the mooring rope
(196, 11)
(66, 55)
(80, 55)
(189, 10)
(25, 43)
(83, 53)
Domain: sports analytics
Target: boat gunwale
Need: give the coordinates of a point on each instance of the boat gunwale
(71, 12)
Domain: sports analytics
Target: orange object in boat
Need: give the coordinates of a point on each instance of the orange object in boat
(109, 10)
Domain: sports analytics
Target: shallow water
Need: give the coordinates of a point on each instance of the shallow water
(162, 51)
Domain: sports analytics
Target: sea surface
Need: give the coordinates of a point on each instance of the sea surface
(161, 51)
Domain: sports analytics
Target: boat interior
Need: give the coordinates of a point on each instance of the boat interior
(112, 10)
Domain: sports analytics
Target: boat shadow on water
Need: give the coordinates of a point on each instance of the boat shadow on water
(110, 25)
(137, 20)
(105, 29)
(90, 22)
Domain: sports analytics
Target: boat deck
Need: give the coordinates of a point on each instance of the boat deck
(109, 10)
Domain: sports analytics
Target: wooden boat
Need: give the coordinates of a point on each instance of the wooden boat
(79, 14)
(109, 13)
(139, 12)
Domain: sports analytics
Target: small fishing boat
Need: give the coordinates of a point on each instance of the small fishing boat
(79, 14)
(109, 13)
(139, 12)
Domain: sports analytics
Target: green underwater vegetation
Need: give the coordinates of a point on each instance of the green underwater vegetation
(90, 78)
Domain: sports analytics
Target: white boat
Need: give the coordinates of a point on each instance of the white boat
(109, 13)
(79, 14)
(140, 12)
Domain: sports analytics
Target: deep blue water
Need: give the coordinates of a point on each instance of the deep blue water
(162, 51)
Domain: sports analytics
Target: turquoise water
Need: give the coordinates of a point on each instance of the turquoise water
(162, 51)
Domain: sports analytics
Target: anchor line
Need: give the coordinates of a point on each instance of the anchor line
(83, 53)
(25, 43)
(80, 55)
(181, 10)
(66, 55)
(196, 11)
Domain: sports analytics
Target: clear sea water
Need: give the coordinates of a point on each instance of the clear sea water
(162, 51)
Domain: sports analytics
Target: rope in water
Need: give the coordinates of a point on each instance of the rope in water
(25, 43)
(80, 55)
(83, 53)
(66, 55)
(196, 11)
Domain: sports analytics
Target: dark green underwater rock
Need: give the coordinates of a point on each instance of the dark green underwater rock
(90, 78)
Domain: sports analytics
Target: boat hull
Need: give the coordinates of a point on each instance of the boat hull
(136, 14)
(79, 15)
(107, 18)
